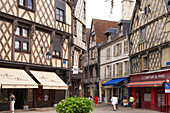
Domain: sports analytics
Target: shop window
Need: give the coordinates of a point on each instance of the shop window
(27, 4)
(147, 94)
(22, 39)
(4, 96)
(43, 94)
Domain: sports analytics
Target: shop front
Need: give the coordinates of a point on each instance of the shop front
(32, 89)
(149, 91)
(116, 87)
(18, 82)
(49, 85)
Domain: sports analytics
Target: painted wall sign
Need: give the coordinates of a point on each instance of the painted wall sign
(168, 64)
(167, 88)
(151, 76)
(75, 70)
(64, 62)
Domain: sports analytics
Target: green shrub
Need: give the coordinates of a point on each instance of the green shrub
(75, 105)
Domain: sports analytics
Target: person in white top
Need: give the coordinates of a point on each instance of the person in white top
(114, 100)
(12, 102)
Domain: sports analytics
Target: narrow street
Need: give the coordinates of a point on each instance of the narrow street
(102, 108)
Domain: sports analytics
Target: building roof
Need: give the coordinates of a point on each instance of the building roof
(100, 27)
(87, 35)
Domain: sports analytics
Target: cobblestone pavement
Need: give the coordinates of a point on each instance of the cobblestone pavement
(102, 108)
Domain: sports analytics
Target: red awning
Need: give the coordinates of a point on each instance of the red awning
(146, 84)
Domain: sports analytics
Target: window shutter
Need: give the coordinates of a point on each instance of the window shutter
(57, 44)
(108, 53)
(105, 72)
(120, 49)
(113, 70)
(114, 50)
(110, 70)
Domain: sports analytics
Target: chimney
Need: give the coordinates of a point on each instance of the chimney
(127, 9)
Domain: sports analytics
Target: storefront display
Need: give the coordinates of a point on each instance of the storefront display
(148, 89)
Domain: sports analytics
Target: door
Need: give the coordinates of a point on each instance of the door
(160, 100)
(18, 93)
(30, 98)
(138, 99)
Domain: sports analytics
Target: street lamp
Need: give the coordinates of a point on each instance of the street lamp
(48, 55)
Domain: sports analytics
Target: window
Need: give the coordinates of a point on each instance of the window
(92, 53)
(4, 96)
(59, 15)
(127, 67)
(108, 53)
(145, 62)
(57, 46)
(105, 72)
(120, 66)
(84, 10)
(43, 94)
(28, 4)
(84, 33)
(109, 38)
(147, 9)
(22, 39)
(113, 70)
(114, 50)
(109, 71)
(75, 27)
(118, 49)
(142, 35)
(125, 47)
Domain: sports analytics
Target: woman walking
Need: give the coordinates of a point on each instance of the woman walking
(95, 100)
(12, 102)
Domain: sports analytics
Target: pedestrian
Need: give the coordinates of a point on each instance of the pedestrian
(95, 100)
(90, 98)
(114, 100)
(131, 100)
(12, 102)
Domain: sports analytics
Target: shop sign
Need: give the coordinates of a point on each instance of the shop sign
(75, 70)
(167, 88)
(150, 76)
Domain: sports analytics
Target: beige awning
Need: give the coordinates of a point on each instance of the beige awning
(49, 80)
(16, 78)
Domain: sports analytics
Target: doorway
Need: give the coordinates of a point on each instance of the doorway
(19, 98)
(138, 99)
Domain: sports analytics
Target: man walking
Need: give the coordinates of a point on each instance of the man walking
(114, 100)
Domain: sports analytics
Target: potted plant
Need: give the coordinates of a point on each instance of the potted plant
(75, 105)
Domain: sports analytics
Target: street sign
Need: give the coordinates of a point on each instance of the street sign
(167, 88)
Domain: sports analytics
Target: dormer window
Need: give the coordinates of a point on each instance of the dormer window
(109, 38)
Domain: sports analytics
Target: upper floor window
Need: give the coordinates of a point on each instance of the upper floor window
(142, 35)
(84, 10)
(84, 33)
(59, 15)
(113, 70)
(118, 49)
(145, 62)
(127, 68)
(125, 47)
(75, 27)
(57, 46)
(109, 71)
(92, 53)
(28, 4)
(108, 53)
(22, 39)
(147, 9)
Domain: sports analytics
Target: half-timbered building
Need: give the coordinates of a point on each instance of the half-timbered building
(149, 40)
(78, 46)
(35, 40)
(91, 68)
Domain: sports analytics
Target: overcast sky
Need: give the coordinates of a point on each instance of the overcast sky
(99, 9)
